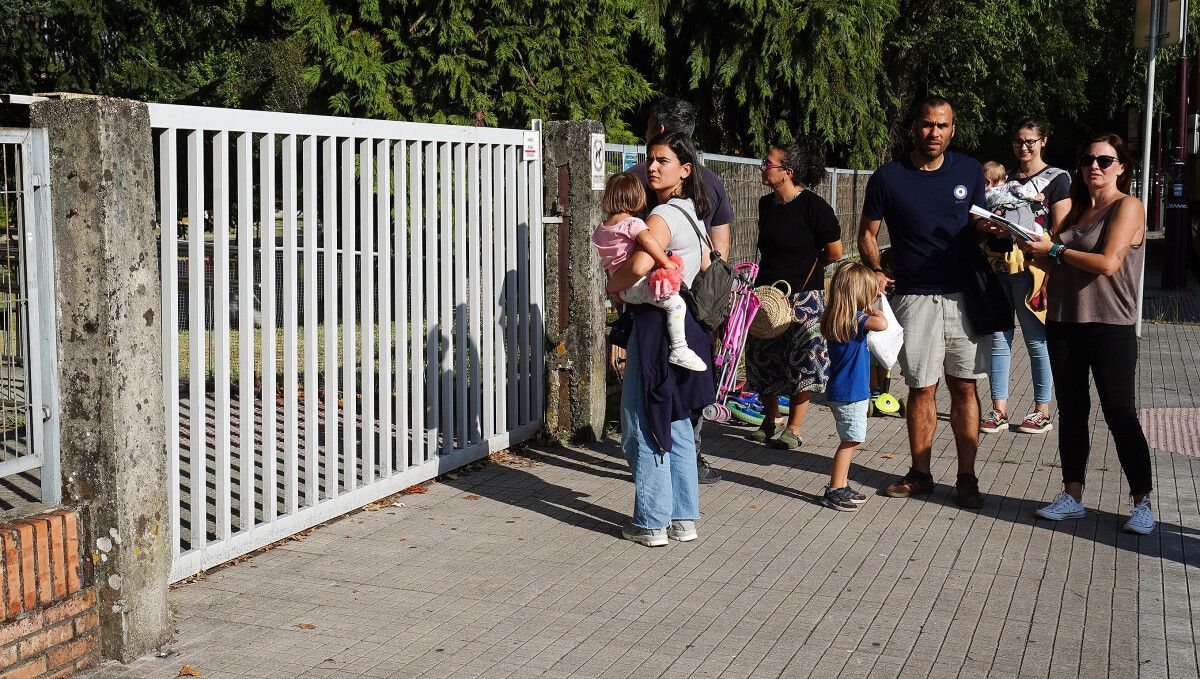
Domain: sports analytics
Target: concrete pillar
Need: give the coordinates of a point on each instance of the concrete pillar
(109, 348)
(575, 357)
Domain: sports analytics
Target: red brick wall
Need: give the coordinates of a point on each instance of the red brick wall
(48, 615)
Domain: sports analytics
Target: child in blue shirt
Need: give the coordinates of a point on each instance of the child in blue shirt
(848, 316)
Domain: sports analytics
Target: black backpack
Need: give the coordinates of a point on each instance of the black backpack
(710, 297)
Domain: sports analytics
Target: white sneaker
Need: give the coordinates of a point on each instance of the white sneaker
(1141, 520)
(651, 537)
(686, 358)
(1063, 507)
(682, 530)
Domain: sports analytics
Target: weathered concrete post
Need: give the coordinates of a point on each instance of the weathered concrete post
(575, 357)
(109, 346)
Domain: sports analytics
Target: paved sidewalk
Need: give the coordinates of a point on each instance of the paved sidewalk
(515, 568)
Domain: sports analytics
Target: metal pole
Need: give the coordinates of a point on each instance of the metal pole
(1146, 132)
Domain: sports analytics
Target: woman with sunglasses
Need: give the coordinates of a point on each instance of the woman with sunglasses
(798, 234)
(1095, 259)
(1022, 282)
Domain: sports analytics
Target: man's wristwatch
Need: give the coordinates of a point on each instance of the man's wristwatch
(877, 270)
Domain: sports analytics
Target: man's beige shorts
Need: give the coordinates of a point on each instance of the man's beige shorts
(938, 340)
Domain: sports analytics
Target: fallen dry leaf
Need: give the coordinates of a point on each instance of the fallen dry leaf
(306, 625)
(470, 497)
(188, 671)
(415, 490)
(753, 506)
(887, 456)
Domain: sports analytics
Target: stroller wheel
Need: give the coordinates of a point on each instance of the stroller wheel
(871, 410)
(903, 409)
(887, 404)
(711, 412)
(723, 413)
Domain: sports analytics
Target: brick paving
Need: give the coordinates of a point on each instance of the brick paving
(515, 568)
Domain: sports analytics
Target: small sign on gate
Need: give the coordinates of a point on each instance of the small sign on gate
(533, 145)
(597, 162)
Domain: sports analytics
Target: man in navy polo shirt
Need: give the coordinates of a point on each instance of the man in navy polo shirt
(925, 198)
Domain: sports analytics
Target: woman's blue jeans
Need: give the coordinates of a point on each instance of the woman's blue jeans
(665, 485)
(1016, 288)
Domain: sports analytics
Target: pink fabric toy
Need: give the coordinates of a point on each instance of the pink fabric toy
(666, 282)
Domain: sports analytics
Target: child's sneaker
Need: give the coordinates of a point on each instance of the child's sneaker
(994, 423)
(1036, 423)
(855, 496)
(839, 499)
(686, 358)
(1063, 507)
(1141, 521)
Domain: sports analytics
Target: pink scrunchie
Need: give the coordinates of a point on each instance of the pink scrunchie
(666, 282)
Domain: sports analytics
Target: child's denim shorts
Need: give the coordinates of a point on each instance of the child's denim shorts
(851, 419)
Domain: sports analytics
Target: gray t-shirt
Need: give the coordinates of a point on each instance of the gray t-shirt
(684, 241)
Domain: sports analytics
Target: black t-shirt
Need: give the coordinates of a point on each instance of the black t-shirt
(927, 219)
(791, 237)
(720, 210)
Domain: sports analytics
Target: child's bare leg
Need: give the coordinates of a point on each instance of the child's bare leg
(840, 477)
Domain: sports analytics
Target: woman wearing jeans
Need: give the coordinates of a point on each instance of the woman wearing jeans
(1095, 258)
(1043, 214)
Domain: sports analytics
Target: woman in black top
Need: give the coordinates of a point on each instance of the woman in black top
(798, 234)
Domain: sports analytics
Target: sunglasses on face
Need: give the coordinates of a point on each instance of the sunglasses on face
(768, 165)
(1104, 162)
(1027, 143)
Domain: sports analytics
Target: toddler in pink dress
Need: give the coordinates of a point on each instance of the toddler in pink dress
(618, 237)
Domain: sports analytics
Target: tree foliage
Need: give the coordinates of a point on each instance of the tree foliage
(843, 73)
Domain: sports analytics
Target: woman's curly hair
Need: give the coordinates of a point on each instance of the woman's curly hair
(806, 162)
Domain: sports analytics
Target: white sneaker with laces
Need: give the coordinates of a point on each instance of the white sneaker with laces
(1063, 507)
(684, 357)
(1141, 520)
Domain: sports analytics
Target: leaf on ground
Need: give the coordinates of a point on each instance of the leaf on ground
(415, 490)
(188, 671)
(887, 456)
(306, 625)
(470, 497)
(753, 506)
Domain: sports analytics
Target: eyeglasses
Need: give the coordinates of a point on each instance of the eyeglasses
(1104, 162)
(1027, 143)
(768, 165)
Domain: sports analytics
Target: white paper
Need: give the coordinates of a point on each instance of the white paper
(1010, 226)
(885, 344)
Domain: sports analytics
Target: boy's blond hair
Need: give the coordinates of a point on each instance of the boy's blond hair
(624, 193)
(853, 289)
(994, 172)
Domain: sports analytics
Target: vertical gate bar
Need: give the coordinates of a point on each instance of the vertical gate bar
(291, 379)
(473, 275)
(198, 420)
(28, 318)
(510, 285)
(445, 298)
(524, 224)
(487, 286)
(459, 259)
(499, 384)
(433, 328)
(348, 283)
(42, 370)
(245, 288)
(416, 318)
(266, 230)
(538, 281)
(311, 326)
(400, 288)
(330, 437)
(366, 263)
(168, 262)
(221, 381)
(383, 242)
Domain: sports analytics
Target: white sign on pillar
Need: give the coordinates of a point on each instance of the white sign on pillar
(597, 162)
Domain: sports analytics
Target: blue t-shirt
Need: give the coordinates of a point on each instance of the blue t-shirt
(926, 214)
(850, 367)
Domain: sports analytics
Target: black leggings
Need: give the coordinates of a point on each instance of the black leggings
(1110, 353)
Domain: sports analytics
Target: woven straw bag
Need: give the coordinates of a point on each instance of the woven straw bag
(775, 311)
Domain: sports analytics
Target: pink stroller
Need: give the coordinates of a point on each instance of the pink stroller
(733, 341)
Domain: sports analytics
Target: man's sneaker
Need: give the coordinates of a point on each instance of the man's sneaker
(1036, 423)
(855, 496)
(705, 473)
(1141, 521)
(1063, 507)
(651, 537)
(966, 492)
(684, 357)
(787, 440)
(762, 434)
(839, 499)
(683, 531)
(912, 483)
(994, 423)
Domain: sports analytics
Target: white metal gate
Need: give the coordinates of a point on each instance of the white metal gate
(29, 468)
(350, 307)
